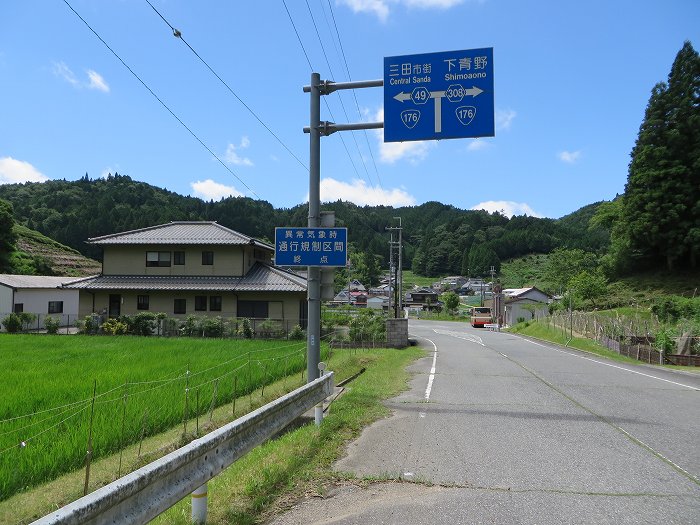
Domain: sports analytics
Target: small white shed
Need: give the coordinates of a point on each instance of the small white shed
(525, 303)
(39, 295)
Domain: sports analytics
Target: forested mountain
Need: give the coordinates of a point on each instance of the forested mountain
(437, 237)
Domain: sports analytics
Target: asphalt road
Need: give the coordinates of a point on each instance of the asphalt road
(496, 428)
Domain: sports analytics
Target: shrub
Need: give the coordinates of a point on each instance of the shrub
(51, 324)
(114, 327)
(212, 326)
(270, 328)
(297, 333)
(671, 308)
(367, 326)
(12, 323)
(90, 325)
(246, 329)
(190, 327)
(665, 341)
(143, 323)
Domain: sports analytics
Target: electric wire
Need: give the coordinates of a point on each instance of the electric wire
(340, 98)
(308, 60)
(178, 34)
(354, 94)
(160, 100)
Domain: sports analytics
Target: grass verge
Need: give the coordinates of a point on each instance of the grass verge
(546, 333)
(281, 472)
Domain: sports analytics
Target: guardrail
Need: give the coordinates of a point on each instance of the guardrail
(137, 498)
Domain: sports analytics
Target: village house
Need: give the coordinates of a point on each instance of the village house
(525, 303)
(40, 296)
(185, 268)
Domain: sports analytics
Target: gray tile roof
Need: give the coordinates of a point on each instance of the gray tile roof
(261, 278)
(35, 281)
(182, 232)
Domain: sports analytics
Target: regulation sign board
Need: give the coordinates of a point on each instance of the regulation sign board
(434, 96)
(311, 246)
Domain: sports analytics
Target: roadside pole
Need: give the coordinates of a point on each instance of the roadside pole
(316, 129)
(313, 337)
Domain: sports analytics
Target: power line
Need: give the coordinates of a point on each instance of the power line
(324, 98)
(159, 99)
(178, 34)
(330, 69)
(357, 104)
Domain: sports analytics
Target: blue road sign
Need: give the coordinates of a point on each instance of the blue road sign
(311, 246)
(434, 96)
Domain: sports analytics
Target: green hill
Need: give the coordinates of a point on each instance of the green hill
(40, 255)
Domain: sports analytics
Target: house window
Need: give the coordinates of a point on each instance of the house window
(19, 308)
(180, 306)
(179, 258)
(252, 309)
(207, 258)
(142, 302)
(215, 303)
(157, 258)
(200, 303)
(55, 307)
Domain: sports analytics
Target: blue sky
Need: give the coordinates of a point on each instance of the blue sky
(572, 80)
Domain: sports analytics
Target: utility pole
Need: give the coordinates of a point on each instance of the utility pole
(395, 268)
(316, 129)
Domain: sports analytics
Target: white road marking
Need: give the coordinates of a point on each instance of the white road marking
(431, 378)
(461, 335)
(609, 364)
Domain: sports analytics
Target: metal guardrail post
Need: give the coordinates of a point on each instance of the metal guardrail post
(199, 505)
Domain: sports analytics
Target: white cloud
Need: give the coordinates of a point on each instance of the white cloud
(381, 8)
(210, 190)
(97, 82)
(377, 7)
(362, 195)
(60, 69)
(94, 80)
(507, 208)
(570, 157)
(232, 157)
(390, 152)
(478, 145)
(504, 118)
(16, 171)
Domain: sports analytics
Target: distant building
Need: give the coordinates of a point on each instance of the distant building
(39, 295)
(525, 303)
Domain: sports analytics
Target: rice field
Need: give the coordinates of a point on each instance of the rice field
(64, 395)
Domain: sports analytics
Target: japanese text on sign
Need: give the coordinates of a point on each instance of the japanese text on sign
(310, 246)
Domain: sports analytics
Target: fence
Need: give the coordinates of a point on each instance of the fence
(202, 326)
(144, 494)
(37, 322)
(634, 338)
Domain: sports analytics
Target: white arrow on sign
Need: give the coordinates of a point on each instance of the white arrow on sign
(403, 97)
(438, 95)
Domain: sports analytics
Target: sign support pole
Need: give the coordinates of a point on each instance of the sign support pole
(313, 337)
(316, 130)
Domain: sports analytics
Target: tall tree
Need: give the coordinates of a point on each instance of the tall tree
(7, 235)
(662, 196)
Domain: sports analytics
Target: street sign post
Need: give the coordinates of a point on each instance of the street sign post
(435, 96)
(315, 247)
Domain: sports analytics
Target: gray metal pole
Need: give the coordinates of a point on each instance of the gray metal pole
(313, 338)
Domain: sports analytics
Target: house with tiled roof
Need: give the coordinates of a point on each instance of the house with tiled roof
(191, 267)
